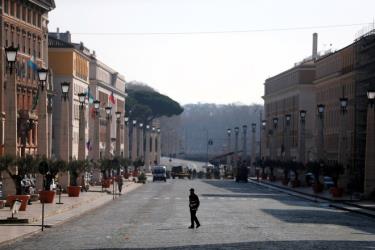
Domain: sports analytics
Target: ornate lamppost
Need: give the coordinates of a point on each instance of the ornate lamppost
(236, 132)
(369, 183)
(302, 138)
(118, 131)
(82, 127)
(261, 135)
(229, 132)
(108, 111)
(275, 121)
(42, 116)
(140, 141)
(158, 146)
(244, 145)
(95, 152)
(10, 135)
(287, 145)
(321, 109)
(147, 148)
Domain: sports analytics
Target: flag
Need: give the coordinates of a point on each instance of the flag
(92, 112)
(112, 98)
(89, 96)
(32, 64)
(35, 100)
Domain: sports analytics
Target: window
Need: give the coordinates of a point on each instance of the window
(18, 11)
(12, 8)
(24, 13)
(6, 6)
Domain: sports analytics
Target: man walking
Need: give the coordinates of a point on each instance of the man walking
(193, 205)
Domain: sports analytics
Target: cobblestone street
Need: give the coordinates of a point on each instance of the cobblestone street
(233, 216)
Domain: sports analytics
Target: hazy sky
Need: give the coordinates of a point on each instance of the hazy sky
(208, 67)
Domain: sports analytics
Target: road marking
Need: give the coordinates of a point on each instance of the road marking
(178, 198)
(156, 198)
(222, 198)
(166, 198)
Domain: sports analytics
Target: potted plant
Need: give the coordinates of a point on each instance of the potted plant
(49, 170)
(315, 168)
(142, 178)
(76, 167)
(295, 167)
(105, 169)
(137, 164)
(335, 170)
(18, 169)
(285, 167)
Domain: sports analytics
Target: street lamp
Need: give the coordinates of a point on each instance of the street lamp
(134, 122)
(141, 125)
(42, 75)
(236, 130)
(321, 108)
(264, 124)
(371, 96)
(11, 56)
(302, 115)
(275, 122)
(118, 115)
(158, 130)
(344, 104)
(65, 90)
(288, 117)
(96, 106)
(229, 131)
(153, 129)
(82, 99)
(108, 111)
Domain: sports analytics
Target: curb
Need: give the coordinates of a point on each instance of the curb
(316, 199)
(28, 235)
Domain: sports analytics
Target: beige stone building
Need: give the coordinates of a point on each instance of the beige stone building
(286, 94)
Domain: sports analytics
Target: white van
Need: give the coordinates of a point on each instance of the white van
(159, 173)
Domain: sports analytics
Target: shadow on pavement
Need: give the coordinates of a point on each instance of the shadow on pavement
(323, 217)
(279, 245)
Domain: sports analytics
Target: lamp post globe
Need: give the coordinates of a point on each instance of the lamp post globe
(275, 121)
(108, 111)
(141, 125)
(153, 129)
(344, 104)
(134, 122)
(65, 89)
(321, 108)
(118, 115)
(264, 124)
(371, 96)
(82, 98)
(147, 127)
(96, 105)
(158, 130)
(236, 130)
(11, 54)
(244, 128)
(229, 131)
(42, 76)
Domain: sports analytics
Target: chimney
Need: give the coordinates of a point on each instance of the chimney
(315, 46)
(58, 33)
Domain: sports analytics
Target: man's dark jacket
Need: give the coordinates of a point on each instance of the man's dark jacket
(193, 202)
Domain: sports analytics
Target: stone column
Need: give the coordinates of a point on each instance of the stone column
(229, 148)
(64, 137)
(42, 124)
(158, 153)
(82, 134)
(108, 138)
(253, 147)
(134, 142)
(152, 155)
(244, 145)
(95, 140)
(10, 142)
(140, 142)
(369, 185)
(235, 163)
(118, 136)
(302, 141)
(147, 149)
(287, 138)
(126, 140)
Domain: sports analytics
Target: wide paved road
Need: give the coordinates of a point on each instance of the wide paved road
(233, 216)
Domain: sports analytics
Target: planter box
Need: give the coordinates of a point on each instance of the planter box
(23, 198)
(318, 187)
(337, 192)
(73, 191)
(46, 196)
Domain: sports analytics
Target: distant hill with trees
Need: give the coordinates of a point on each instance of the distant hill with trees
(186, 136)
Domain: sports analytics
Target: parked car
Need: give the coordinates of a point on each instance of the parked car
(159, 173)
(328, 182)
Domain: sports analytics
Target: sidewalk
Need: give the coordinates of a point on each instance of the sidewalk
(56, 214)
(346, 202)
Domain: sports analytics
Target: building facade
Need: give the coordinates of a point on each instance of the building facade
(286, 94)
(24, 126)
(70, 63)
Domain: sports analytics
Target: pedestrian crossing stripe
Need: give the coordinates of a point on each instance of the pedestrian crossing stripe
(202, 198)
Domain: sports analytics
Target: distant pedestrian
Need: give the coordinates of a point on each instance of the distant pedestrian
(120, 182)
(193, 205)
